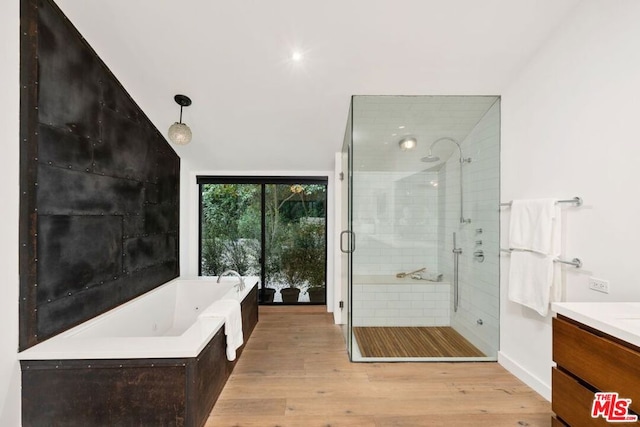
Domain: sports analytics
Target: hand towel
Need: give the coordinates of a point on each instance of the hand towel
(531, 225)
(530, 280)
(230, 310)
(534, 279)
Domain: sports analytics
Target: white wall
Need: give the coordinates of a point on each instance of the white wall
(570, 128)
(9, 194)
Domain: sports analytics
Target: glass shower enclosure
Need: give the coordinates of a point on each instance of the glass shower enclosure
(420, 223)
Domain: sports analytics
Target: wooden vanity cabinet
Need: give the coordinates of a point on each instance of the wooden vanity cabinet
(590, 361)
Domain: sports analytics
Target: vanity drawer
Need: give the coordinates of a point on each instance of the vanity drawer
(600, 361)
(557, 423)
(572, 402)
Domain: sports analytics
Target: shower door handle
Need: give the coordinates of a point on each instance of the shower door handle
(352, 242)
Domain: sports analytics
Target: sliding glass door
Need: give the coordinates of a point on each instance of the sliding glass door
(230, 228)
(266, 226)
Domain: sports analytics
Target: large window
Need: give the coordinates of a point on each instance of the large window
(270, 227)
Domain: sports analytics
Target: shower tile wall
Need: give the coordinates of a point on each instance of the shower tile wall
(396, 224)
(395, 221)
(411, 303)
(479, 282)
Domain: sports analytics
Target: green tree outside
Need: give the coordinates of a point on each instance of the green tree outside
(294, 232)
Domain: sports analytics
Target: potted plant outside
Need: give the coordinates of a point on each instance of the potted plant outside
(292, 274)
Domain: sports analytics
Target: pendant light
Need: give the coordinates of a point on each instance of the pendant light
(179, 133)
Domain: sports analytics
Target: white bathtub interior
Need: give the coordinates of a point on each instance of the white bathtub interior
(164, 322)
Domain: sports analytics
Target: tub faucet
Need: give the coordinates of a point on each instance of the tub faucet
(235, 273)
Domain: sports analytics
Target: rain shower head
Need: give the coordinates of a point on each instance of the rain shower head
(430, 158)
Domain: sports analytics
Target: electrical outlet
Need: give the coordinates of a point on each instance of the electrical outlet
(599, 285)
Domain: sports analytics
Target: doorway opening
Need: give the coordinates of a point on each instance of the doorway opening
(272, 227)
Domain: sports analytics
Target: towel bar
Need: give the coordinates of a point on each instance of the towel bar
(576, 200)
(576, 262)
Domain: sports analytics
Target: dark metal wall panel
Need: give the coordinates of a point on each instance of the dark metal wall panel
(99, 183)
(114, 99)
(69, 76)
(28, 170)
(63, 191)
(159, 217)
(82, 305)
(143, 252)
(168, 172)
(80, 251)
(61, 148)
(126, 148)
(98, 393)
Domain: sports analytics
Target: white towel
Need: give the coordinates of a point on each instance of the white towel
(230, 310)
(530, 279)
(535, 241)
(531, 226)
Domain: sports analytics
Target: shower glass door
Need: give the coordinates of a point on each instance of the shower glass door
(421, 169)
(347, 238)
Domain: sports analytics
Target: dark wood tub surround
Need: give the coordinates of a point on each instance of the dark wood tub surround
(99, 184)
(131, 392)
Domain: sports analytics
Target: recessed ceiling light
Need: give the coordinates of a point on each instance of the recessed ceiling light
(394, 134)
(401, 127)
(408, 143)
(296, 56)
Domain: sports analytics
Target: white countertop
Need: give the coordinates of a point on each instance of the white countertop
(618, 319)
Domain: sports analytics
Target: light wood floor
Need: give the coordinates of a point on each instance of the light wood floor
(295, 372)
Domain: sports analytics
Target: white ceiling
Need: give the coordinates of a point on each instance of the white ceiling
(254, 108)
(381, 122)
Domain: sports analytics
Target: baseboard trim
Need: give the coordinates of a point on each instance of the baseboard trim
(525, 376)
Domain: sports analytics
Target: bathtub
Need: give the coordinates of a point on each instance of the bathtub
(162, 323)
(151, 361)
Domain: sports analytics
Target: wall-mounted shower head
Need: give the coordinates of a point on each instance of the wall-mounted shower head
(430, 158)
